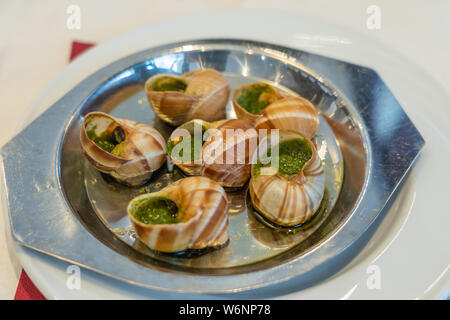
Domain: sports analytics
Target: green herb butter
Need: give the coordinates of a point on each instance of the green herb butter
(256, 97)
(292, 156)
(157, 211)
(167, 83)
(110, 142)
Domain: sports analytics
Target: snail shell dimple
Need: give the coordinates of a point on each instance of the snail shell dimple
(226, 153)
(205, 97)
(286, 113)
(290, 201)
(144, 149)
(202, 210)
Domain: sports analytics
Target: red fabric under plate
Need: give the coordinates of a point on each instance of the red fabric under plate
(26, 290)
(78, 48)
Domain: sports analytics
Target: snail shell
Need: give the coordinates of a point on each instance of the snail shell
(141, 148)
(290, 113)
(231, 166)
(289, 200)
(202, 210)
(285, 112)
(205, 97)
(226, 153)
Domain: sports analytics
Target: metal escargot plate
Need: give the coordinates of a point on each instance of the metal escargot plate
(60, 205)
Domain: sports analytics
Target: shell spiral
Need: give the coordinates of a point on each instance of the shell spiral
(202, 210)
(291, 113)
(290, 201)
(143, 148)
(226, 153)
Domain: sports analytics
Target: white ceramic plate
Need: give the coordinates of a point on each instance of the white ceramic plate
(407, 249)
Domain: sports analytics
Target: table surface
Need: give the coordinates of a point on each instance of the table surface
(35, 44)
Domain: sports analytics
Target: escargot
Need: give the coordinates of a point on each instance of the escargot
(128, 151)
(199, 94)
(266, 108)
(190, 213)
(219, 150)
(288, 189)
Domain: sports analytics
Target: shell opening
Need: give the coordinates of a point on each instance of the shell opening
(168, 83)
(256, 97)
(287, 160)
(110, 139)
(157, 210)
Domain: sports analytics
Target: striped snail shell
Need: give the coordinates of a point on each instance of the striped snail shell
(290, 194)
(231, 166)
(224, 150)
(201, 216)
(276, 110)
(128, 151)
(199, 94)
